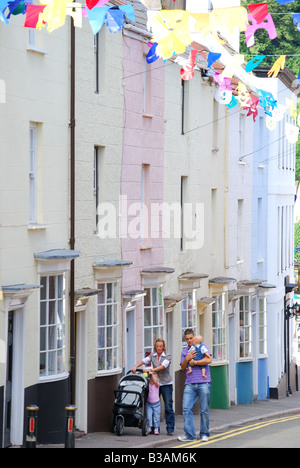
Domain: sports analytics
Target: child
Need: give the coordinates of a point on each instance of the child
(201, 350)
(153, 403)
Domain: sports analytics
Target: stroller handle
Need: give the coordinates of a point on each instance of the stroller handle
(139, 371)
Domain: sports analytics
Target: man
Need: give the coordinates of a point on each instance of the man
(195, 386)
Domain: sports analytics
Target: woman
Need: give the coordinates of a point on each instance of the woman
(161, 361)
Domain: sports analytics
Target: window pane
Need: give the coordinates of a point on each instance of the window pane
(160, 296)
(43, 342)
(101, 359)
(147, 298)
(148, 337)
(219, 329)
(109, 359)
(52, 338)
(43, 313)
(101, 337)
(107, 338)
(101, 294)
(60, 362)
(155, 316)
(109, 315)
(147, 318)
(60, 280)
(109, 292)
(52, 287)
(52, 363)
(52, 318)
(52, 325)
(43, 283)
(43, 363)
(101, 315)
(154, 297)
(60, 307)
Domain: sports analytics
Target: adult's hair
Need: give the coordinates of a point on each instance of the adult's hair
(189, 331)
(160, 340)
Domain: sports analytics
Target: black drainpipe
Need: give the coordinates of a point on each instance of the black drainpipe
(72, 217)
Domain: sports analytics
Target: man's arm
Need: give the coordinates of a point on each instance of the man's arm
(203, 362)
(187, 359)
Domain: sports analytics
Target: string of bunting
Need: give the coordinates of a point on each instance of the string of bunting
(172, 33)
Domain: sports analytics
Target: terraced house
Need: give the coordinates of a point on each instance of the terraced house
(133, 205)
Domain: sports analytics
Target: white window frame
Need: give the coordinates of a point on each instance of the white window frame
(154, 317)
(189, 314)
(245, 328)
(219, 329)
(32, 173)
(109, 352)
(52, 323)
(262, 327)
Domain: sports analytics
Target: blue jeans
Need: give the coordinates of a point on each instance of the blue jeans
(167, 393)
(153, 414)
(190, 395)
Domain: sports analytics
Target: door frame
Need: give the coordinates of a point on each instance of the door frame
(17, 379)
(131, 308)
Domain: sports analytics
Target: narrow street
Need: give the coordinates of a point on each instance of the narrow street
(281, 432)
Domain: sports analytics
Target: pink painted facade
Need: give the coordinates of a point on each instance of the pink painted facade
(142, 168)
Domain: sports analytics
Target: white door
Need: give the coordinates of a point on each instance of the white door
(130, 339)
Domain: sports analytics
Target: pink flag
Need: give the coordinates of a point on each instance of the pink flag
(187, 71)
(32, 15)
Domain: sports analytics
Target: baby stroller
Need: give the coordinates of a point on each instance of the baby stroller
(129, 408)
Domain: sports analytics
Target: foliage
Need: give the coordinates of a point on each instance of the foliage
(297, 241)
(288, 37)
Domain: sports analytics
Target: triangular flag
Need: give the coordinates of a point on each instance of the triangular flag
(259, 11)
(212, 57)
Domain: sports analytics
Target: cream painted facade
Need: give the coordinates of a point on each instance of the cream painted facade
(34, 209)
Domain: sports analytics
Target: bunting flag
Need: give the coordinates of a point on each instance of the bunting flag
(172, 32)
(267, 101)
(267, 24)
(254, 62)
(296, 20)
(152, 55)
(277, 66)
(32, 15)
(243, 97)
(284, 2)
(223, 82)
(187, 71)
(114, 17)
(212, 57)
(252, 108)
(259, 11)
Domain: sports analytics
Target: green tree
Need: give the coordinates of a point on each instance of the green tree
(287, 41)
(297, 241)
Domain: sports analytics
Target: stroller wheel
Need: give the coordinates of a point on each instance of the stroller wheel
(145, 427)
(119, 425)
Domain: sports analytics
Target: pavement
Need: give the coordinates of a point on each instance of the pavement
(220, 420)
